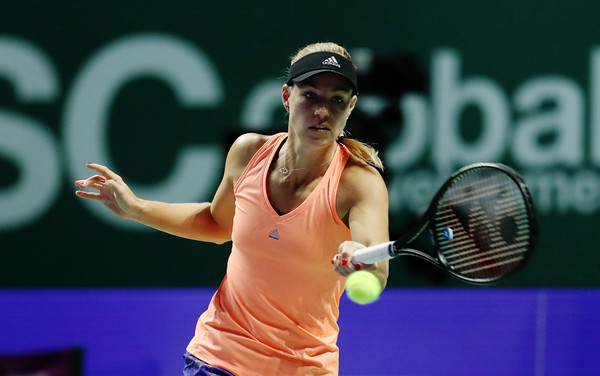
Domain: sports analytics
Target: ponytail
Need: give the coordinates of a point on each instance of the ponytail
(362, 151)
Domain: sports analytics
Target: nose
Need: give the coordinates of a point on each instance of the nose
(321, 112)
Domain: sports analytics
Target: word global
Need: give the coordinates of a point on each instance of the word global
(540, 129)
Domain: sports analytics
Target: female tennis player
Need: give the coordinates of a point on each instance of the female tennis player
(290, 203)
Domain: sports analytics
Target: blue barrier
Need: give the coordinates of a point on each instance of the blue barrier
(468, 331)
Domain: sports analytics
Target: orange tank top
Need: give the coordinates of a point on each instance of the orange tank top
(276, 310)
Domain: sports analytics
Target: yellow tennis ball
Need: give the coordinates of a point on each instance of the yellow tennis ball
(363, 287)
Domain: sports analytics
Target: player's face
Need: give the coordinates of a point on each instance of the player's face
(320, 106)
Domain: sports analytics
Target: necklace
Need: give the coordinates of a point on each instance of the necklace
(284, 171)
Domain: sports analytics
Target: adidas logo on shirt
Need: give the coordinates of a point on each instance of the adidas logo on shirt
(331, 61)
(274, 234)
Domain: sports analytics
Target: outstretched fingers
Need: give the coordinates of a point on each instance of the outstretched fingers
(96, 181)
(109, 188)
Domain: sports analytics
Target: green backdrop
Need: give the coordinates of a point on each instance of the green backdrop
(158, 90)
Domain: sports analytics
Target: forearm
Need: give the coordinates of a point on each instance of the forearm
(186, 220)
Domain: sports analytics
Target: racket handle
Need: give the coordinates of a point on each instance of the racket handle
(370, 255)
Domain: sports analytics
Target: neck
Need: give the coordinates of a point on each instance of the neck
(307, 161)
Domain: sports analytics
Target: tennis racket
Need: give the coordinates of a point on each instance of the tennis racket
(482, 225)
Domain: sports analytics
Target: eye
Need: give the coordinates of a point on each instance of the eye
(337, 100)
(310, 95)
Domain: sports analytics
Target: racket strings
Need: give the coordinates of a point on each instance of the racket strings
(471, 258)
(487, 214)
(496, 240)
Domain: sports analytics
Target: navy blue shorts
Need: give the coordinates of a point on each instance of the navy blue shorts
(196, 367)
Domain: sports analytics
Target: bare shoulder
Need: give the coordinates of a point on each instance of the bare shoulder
(246, 145)
(358, 175)
(360, 183)
(241, 152)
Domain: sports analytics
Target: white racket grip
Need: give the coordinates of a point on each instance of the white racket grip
(370, 255)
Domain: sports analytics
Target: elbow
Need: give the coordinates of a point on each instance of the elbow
(220, 241)
(215, 237)
(221, 234)
(207, 229)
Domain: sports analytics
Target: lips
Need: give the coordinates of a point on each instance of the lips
(318, 128)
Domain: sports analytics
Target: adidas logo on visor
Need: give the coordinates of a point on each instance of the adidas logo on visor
(331, 61)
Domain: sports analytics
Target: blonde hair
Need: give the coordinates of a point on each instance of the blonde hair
(358, 149)
(322, 47)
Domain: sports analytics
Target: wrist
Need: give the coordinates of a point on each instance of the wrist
(138, 209)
